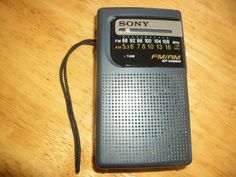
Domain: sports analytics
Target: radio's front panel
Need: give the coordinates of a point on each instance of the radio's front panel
(142, 102)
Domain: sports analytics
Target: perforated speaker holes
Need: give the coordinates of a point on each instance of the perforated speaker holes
(144, 118)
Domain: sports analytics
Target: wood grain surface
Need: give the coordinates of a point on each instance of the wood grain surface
(35, 134)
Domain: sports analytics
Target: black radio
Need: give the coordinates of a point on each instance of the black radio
(142, 101)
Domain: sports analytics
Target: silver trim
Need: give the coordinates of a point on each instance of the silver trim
(148, 27)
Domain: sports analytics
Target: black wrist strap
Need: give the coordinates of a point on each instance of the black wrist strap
(66, 92)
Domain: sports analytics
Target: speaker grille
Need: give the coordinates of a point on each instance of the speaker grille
(144, 118)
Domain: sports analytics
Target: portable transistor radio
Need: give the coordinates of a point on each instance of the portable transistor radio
(142, 100)
(142, 113)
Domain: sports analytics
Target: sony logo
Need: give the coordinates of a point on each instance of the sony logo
(133, 23)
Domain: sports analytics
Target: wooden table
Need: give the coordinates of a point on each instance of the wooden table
(35, 134)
